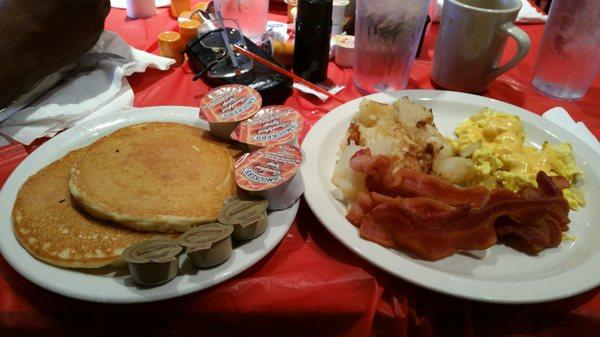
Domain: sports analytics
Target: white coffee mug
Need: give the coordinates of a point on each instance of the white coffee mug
(471, 41)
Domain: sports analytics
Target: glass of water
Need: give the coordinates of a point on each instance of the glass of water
(569, 57)
(387, 37)
(251, 15)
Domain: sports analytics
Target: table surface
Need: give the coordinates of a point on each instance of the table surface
(310, 285)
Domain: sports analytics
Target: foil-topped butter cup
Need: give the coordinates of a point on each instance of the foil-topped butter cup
(153, 262)
(247, 214)
(226, 106)
(207, 245)
(272, 173)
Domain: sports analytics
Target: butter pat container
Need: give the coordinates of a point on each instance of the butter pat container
(272, 173)
(153, 262)
(207, 245)
(271, 125)
(344, 50)
(247, 215)
(226, 106)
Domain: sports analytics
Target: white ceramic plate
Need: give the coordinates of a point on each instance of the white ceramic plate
(505, 275)
(113, 288)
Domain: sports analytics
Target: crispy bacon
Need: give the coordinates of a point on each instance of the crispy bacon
(410, 183)
(561, 182)
(432, 219)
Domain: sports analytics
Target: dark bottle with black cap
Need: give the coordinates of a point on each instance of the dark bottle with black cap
(313, 33)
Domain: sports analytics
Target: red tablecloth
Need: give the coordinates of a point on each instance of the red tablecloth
(310, 285)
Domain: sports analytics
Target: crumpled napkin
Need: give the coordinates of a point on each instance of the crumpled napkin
(561, 117)
(332, 88)
(123, 3)
(527, 14)
(95, 84)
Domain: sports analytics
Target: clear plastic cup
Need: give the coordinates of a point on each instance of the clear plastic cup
(569, 56)
(387, 37)
(251, 15)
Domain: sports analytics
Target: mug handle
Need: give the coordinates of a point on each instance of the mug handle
(523, 46)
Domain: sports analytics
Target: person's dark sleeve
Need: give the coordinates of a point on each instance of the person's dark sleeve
(39, 37)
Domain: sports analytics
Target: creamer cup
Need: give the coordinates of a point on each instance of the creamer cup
(207, 245)
(152, 262)
(271, 125)
(226, 106)
(247, 215)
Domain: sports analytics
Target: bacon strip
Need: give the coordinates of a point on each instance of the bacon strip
(432, 219)
(411, 183)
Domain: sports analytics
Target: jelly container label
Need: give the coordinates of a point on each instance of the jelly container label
(268, 167)
(230, 103)
(271, 125)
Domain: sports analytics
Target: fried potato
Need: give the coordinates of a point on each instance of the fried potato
(371, 111)
(455, 170)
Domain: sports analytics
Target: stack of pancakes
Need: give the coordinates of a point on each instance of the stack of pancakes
(137, 183)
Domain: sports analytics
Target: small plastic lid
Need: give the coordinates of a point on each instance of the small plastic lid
(268, 167)
(189, 25)
(230, 103)
(271, 125)
(243, 211)
(203, 236)
(340, 2)
(152, 251)
(169, 36)
(200, 6)
(346, 41)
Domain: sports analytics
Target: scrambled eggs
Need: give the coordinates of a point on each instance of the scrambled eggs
(494, 142)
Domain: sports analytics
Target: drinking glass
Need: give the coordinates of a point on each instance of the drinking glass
(251, 15)
(387, 36)
(569, 56)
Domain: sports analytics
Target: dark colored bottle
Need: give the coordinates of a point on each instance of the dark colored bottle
(313, 33)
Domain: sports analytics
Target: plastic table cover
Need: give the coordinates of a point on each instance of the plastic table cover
(310, 285)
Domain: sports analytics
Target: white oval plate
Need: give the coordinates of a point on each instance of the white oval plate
(505, 275)
(98, 287)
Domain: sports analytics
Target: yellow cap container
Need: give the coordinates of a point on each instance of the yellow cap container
(290, 5)
(200, 5)
(187, 15)
(283, 51)
(170, 44)
(188, 30)
(178, 6)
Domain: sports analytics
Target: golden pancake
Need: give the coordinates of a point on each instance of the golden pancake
(53, 229)
(163, 177)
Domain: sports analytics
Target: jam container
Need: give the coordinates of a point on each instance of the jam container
(226, 106)
(153, 262)
(272, 173)
(247, 214)
(207, 245)
(272, 125)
